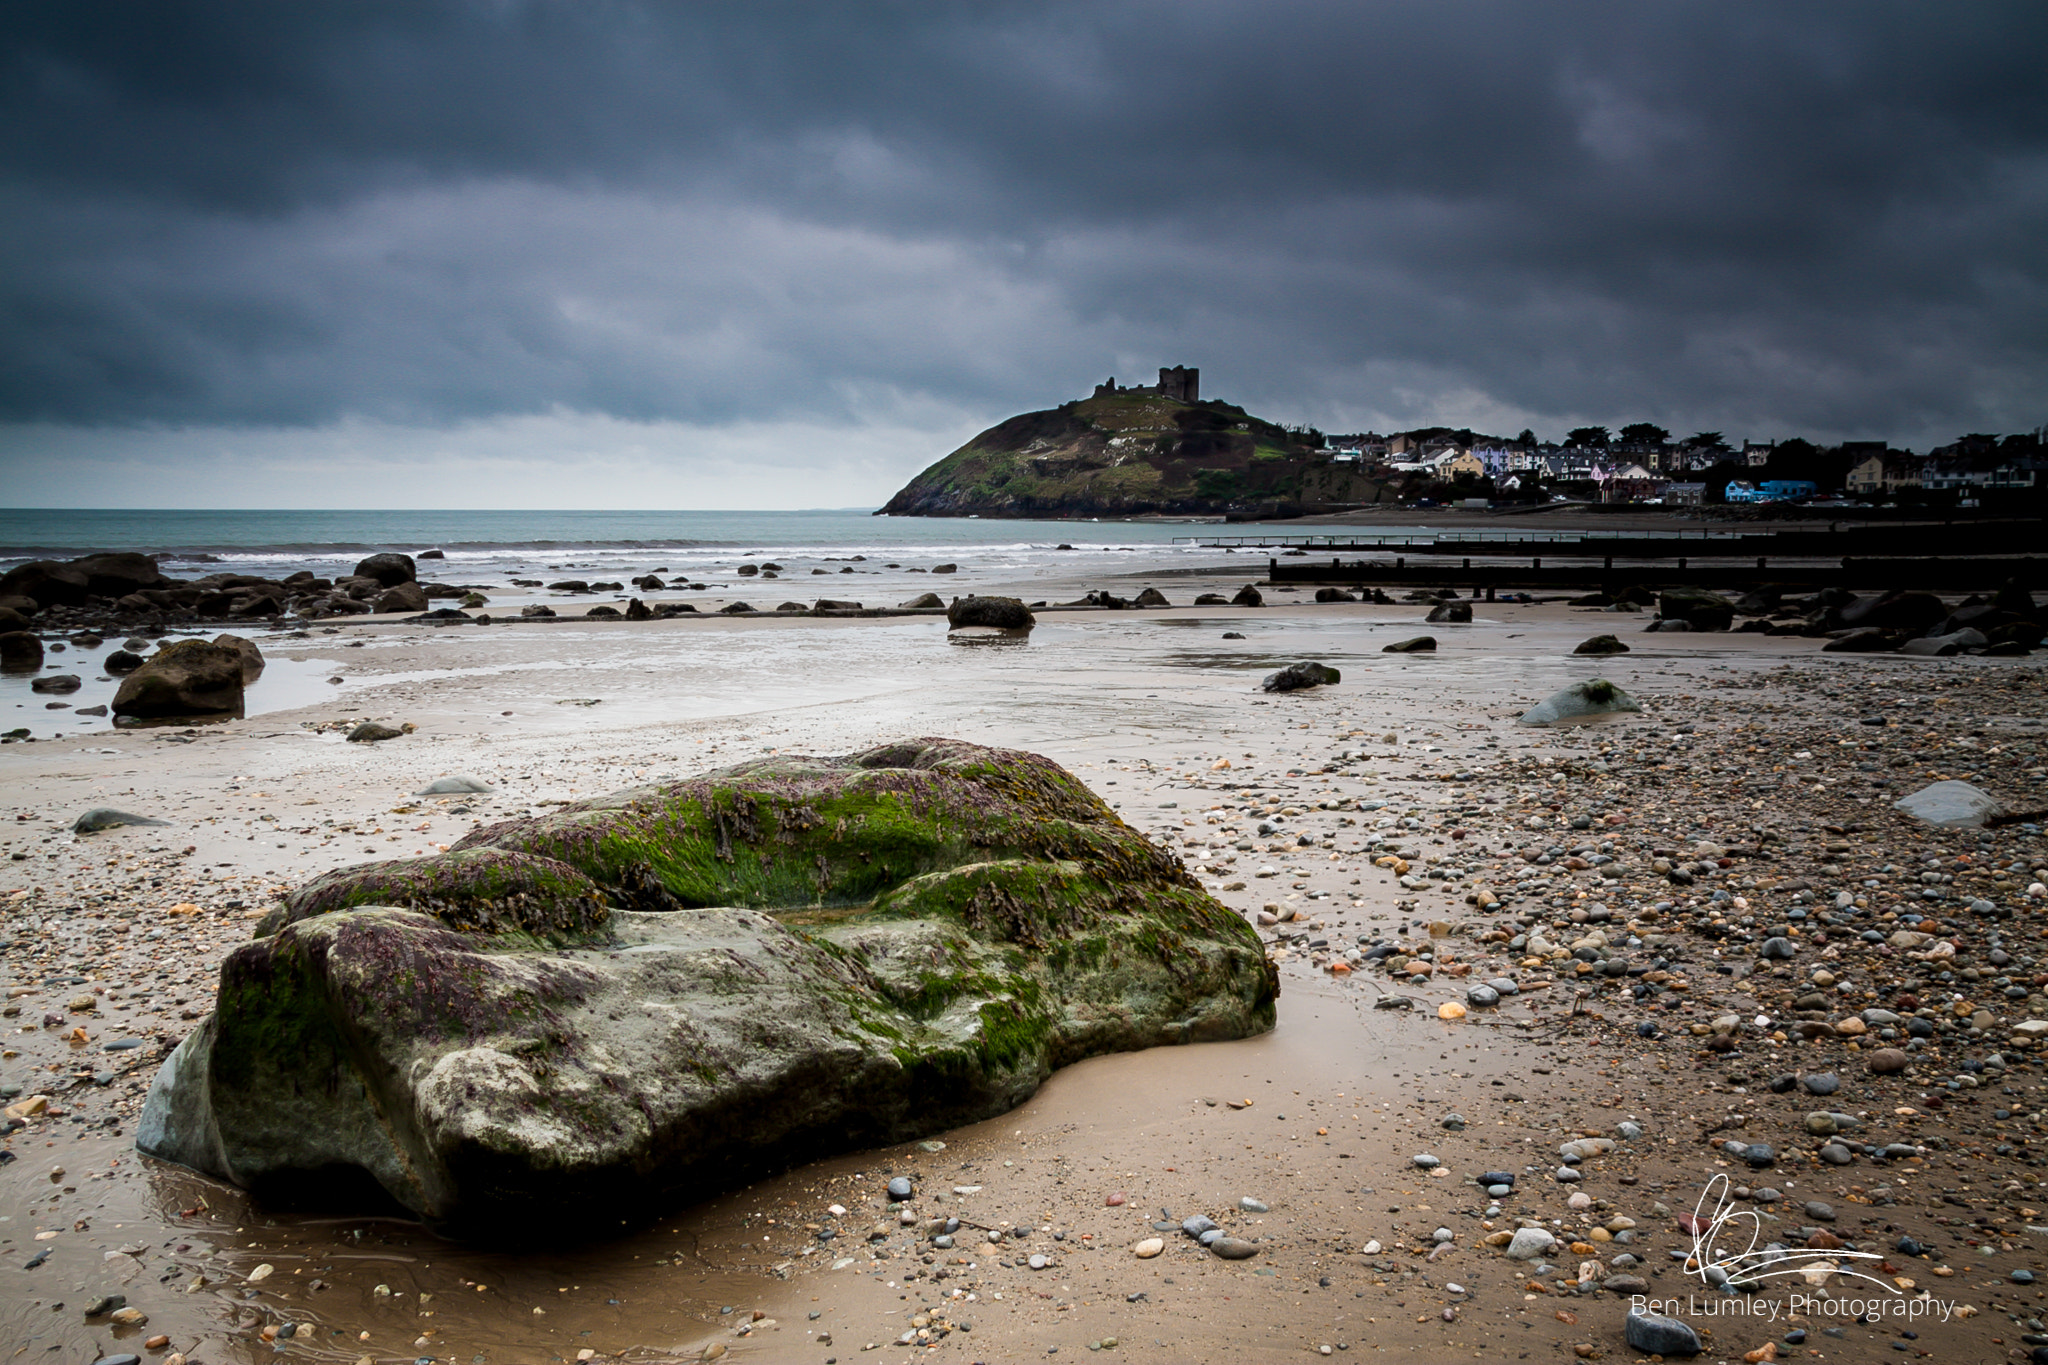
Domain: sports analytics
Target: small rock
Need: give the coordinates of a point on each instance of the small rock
(1294, 677)
(1594, 697)
(1886, 1061)
(1821, 1083)
(1529, 1243)
(1233, 1249)
(1661, 1336)
(900, 1189)
(373, 732)
(106, 817)
(1952, 805)
(1251, 1205)
(1149, 1248)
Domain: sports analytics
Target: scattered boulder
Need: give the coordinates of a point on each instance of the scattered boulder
(373, 732)
(245, 649)
(1898, 610)
(1002, 613)
(46, 582)
(390, 570)
(537, 611)
(122, 662)
(186, 678)
(825, 604)
(401, 597)
(636, 610)
(1601, 645)
(1248, 596)
(57, 684)
(1862, 640)
(793, 607)
(1452, 613)
(1152, 597)
(1943, 646)
(21, 650)
(1952, 805)
(923, 602)
(735, 609)
(1294, 677)
(1212, 599)
(106, 817)
(945, 568)
(1420, 644)
(875, 948)
(1594, 697)
(1698, 608)
(1335, 595)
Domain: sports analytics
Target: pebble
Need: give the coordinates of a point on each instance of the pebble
(1251, 1205)
(900, 1189)
(1426, 1161)
(1233, 1249)
(1887, 1061)
(1149, 1248)
(1529, 1243)
(1821, 1083)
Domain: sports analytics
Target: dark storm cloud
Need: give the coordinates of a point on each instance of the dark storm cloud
(1830, 218)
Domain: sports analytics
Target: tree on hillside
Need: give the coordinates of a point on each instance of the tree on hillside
(1706, 440)
(1587, 438)
(1527, 438)
(1644, 434)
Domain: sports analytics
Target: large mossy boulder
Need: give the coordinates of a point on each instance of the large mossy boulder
(642, 998)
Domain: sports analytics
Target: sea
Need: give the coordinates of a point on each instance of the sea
(594, 544)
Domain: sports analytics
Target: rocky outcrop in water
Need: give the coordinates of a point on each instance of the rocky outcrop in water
(650, 995)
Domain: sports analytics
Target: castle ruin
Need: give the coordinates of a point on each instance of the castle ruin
(1183, 383)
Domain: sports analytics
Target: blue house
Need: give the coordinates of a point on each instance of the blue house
(1771, 490)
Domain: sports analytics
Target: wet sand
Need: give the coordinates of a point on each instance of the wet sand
(1319, 1120)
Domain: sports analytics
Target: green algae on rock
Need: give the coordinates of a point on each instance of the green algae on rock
(650, 995)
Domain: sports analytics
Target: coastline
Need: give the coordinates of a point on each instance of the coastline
(1142, 706)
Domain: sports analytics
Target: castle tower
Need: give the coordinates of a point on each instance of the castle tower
(1181, 382)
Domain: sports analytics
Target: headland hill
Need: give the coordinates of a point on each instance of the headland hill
(1132, 451)
(1161, 450)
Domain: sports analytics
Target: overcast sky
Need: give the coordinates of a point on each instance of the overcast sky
(762, 254)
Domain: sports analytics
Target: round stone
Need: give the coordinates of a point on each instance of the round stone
(1233, 1249)
(1149, 1248)
(899, 1188)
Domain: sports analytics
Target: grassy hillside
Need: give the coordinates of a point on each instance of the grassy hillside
(1125, 454)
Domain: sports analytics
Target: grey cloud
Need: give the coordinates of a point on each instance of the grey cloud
(1757, 217)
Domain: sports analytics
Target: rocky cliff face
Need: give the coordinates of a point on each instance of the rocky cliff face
(1126, 454)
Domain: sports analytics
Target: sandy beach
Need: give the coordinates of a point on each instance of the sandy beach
(1390, 801)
